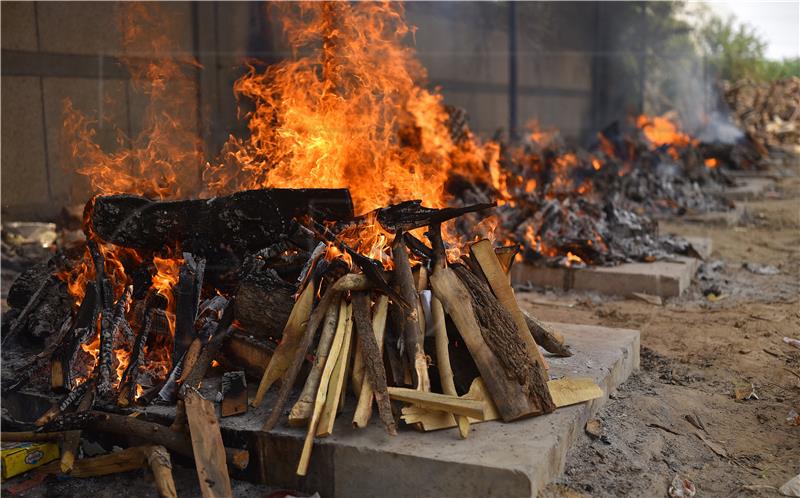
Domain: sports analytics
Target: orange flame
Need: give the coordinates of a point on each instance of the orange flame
(661, 131)
(711, 162)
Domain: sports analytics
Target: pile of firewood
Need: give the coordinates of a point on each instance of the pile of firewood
(267, 278)
(769, 112)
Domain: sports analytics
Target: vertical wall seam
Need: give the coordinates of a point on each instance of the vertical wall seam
(44, 113)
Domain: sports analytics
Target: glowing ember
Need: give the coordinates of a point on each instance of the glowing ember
(711, 162)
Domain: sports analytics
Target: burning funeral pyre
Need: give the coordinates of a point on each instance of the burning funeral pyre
(354, 221)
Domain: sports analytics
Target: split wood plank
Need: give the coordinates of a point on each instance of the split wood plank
(207, 446)
(485, 256)
(443, 360)
(514, 397)
(322, 391)
(337, 380)
(113, 463)
(290, 341)
(366, 393)
(441, 402)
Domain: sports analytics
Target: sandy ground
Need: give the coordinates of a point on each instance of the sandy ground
(695, 352)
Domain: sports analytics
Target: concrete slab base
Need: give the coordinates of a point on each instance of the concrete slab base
(514, 459)
(746, 188)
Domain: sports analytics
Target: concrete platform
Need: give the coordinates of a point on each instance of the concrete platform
(746, 188)
(667, 278)
(515, 459)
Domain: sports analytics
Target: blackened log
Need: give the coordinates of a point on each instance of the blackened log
(130, 376)
(263, 302)
(135, 427)
(34, 301)
(409, 215)
(418, 247)
(223, 329)
(246, 221)
(187, 299)
(373, 362)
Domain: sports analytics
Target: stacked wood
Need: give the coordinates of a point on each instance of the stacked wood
(768, 111)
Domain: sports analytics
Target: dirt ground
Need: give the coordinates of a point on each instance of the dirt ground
(695, 352)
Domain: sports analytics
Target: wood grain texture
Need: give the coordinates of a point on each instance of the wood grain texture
(207, 446)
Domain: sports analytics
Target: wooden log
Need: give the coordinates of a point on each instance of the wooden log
(190, 359)
(130, 376)
(366, 394)
(30, 436)
(187, 300)
(506, 257)
(412, 334)
(337, 380)
(547, 337)
(72, 397)
(443, 360)
(72, 439)
(264, 302)
(373, 359)
(113, 463)
(209, 451)
(247, 352)
(222, 331)
(485, 256)
(408, 215)
(290, 341)
(57, 375)
(515, 380)
(322, 391)
(304, 407)
(151, 432)
(234, 394)
(33, 302)
(441, 402)
(161, 466)
(245, 221)
(350, 282)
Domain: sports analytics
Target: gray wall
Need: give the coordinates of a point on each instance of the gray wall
(54, 50)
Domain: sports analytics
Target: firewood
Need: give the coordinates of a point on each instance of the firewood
(290, 341)
(57, 375)
(234, 394)
(245, 221)
(551, 340)
(113, 463)
(209, 451)
(441, 402)
(337, 380)
(222, 331)
(412, 334)
(33, 302)
(72, 397)
(373, 359)
(161, 465)
(130, 376)
(30, 436)
(151, 432)
(322, 390)
(515, 380)
(366, 393)
(408, 215)
(484, 254)
(304, 407)
(264, 302)
(565, 392)
(249, 353)
(506, 256)
(348, 282)
(72, 439)
(187, 300)
(443, 360)
(190, 359)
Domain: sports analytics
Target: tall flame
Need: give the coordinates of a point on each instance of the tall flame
(351, 113)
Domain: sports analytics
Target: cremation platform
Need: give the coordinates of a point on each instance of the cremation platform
(667, 278)
(497, 459)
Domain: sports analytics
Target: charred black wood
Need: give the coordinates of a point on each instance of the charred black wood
(409, 215)
(131, 374)
(75, 395)
(34, 301)
(418, 247)
(187, 301)
(221, 332)
(74, 421)
(246, 221)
